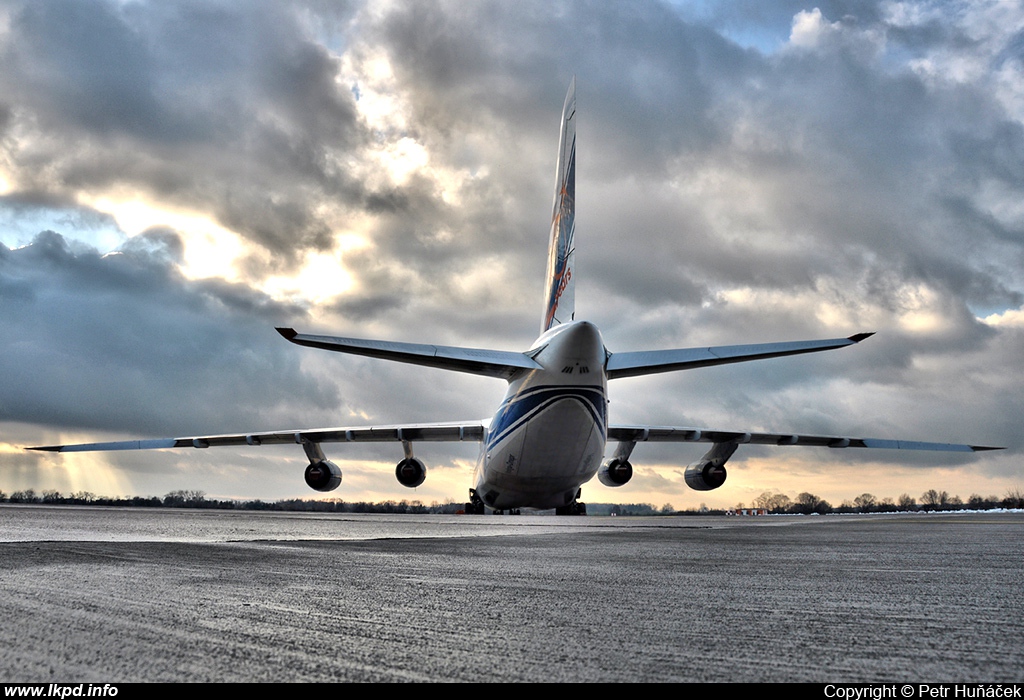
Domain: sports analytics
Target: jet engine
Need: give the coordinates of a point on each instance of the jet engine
(615, 472)
(708, 472)
(323, 475)
(704, 476)
(411, 472)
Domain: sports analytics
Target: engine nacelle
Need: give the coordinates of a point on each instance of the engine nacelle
(411, 472)
(705, 475)
(615, 472)
(323, 475)
(709, 471)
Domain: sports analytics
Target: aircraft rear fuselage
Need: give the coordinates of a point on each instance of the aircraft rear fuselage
(548, 436)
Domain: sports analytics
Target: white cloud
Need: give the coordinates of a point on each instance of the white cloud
(811, 29)
(1011, 318)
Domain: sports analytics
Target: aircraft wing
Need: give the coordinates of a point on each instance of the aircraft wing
(642, 433)
(489, 363)
(634, 364)
(472, 431)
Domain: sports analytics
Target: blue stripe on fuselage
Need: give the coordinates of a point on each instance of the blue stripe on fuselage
(517, 409)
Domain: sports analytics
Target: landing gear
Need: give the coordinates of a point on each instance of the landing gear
(475, 505)
(575, 508)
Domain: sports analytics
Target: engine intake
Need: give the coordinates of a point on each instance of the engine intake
(323, 475)
(411, 472)
(616, 472)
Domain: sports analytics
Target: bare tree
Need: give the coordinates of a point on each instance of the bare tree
(809, 503)
(773, 502)
(865, 502)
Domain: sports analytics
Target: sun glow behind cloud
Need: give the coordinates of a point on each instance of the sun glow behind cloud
(86, 472)
(210, 249)
(214, 251)
(320, 277)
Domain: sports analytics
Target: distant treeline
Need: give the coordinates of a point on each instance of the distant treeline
(769, 502)
(198, 499)
(931, 500)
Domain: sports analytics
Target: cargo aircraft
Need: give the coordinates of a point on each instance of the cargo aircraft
(549, 435)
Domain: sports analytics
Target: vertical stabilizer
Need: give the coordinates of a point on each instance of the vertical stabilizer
(559, 295)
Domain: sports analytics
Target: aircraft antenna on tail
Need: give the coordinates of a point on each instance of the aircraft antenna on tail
(559, 295)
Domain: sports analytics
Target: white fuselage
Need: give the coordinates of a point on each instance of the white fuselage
(548, 436)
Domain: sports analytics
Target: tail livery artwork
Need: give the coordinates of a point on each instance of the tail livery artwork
(549, 435)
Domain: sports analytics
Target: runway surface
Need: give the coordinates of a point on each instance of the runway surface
(118, 595)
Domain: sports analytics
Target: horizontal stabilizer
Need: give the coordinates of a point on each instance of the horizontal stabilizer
(642, 433)
(416, 432)
(489, 363)
(634, 364)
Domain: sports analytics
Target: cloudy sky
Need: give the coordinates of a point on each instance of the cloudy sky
(178, 177)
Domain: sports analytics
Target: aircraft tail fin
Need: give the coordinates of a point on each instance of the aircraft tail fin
(559, 295)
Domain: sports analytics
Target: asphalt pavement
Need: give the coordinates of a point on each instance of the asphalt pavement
(110, 595)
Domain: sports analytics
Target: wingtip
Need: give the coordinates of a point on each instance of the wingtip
(985, 448)
(860, 336)
(287, 333)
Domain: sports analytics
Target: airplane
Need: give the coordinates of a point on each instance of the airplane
(549, 435)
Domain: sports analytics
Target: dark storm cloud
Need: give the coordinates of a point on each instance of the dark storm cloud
(839, 151)
(232, 110)
(250, 103)
(481, 80)
(514, 60)
(836, 161)
(122, 342)
(465, 65)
